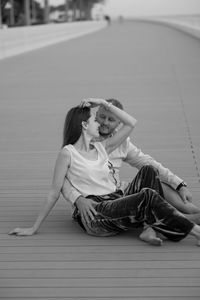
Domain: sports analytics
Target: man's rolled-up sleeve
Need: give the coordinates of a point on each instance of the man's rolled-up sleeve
(136, 158)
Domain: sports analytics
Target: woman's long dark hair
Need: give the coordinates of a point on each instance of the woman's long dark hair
(73, 124)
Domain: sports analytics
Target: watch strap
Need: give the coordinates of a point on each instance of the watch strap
(181, 185)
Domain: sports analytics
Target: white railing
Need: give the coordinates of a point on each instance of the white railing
(14, 41)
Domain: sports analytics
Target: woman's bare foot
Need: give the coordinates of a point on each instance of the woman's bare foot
(149, 235)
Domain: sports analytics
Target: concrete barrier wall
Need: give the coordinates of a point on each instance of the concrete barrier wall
(14, 41)
(187, 24)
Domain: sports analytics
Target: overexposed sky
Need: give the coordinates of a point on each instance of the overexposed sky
(56, 2)
(146, 7)
(52, 2)
(152, 7)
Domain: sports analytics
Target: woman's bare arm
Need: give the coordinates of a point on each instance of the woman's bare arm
(60, 170)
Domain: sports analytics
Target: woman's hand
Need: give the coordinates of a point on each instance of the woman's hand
(86, 208)
(23, 231)
(93, 102)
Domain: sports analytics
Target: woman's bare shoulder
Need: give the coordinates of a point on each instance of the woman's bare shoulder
(64, 154)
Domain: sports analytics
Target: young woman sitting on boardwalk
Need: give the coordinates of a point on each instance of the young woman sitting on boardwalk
(86, 165)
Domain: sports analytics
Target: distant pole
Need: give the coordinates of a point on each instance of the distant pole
(46, 11)
(12, 13)
(33, 10)
(80, 9)
(74, 10)
(0, 16)
(27, 12)
(88, 9)
(66, 10)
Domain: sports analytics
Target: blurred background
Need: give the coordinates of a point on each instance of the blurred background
(33, 12)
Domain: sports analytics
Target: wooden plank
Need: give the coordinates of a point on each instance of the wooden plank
(111, 298)
(95, 282)
(76, 240)
(138, 248)
(101, 291)
(79, 240)
(102, 273)
(95, 264)
(98, 256)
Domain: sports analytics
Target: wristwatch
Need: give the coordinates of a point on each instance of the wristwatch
(181, 185)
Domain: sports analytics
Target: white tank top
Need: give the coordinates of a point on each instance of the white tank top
(91, 177)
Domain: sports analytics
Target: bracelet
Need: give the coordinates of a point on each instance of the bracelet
(181, 185)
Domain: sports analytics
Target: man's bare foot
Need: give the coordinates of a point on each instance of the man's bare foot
(196, 232)
(149, 236)
(193, 217)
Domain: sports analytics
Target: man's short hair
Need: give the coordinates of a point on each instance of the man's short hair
(115, 102)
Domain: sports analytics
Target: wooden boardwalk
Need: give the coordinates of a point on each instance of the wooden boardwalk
(155, 71)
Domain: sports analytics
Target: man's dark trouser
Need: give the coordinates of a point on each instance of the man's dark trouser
(141, 203)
